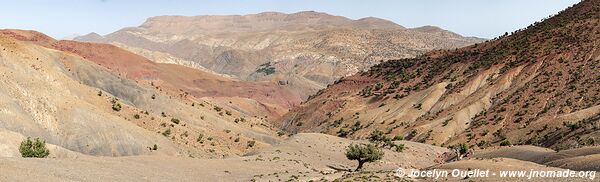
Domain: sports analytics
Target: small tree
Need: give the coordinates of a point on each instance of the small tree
(363, 154)
(36, 148)
(462, 148)
(377, 137)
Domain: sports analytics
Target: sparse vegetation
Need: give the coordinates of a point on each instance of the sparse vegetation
(377, 137)
(378, 86)
(398, 138)
(167, 132)
(266, 68)
(367, 91)
(505, 143)
(116, 106)
(200, 138)
(343, 132)
(33, 149)
(218, 109)
(462, 148)
(251, 143)
(238, 120)
(483, 144)
(175, 120)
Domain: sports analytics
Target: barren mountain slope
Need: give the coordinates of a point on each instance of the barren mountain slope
(83, 107)
(303, 51)
(538, 86)
(39, 98)
(263, 98)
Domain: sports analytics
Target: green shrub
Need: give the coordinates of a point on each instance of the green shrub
(363, 154)
(338, 122)
(167, 132)
(175, 120)
(483, 144)
(357, 126)
(36, 148)
(367, 91)
(505, 143)
(462, 148)
(238, 120)
(136, 116)
(378, 86)
(266, 69)
(199, 139)
(343, 132)
(251, 143)
(399, 148)
(116, 106)
(376, 136)
(398, 138)
(218, 109)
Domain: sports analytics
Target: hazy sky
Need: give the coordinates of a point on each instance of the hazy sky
(481, 18)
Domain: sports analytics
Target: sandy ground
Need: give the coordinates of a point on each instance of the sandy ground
(303, 157)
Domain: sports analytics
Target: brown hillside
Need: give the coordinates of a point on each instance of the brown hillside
(272, 99)
(82, 108)
(301, 51)
(535, 86)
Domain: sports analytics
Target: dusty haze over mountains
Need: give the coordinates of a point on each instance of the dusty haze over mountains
(280, 97)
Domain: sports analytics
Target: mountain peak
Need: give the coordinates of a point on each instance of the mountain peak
(90, 37)
(377, 23)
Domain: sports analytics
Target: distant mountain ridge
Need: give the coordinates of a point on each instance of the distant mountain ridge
(267, 21)
(305, 50)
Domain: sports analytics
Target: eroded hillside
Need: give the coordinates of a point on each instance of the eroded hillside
(302, 51)
(535, 86)
(75, 103)
(250, 98)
